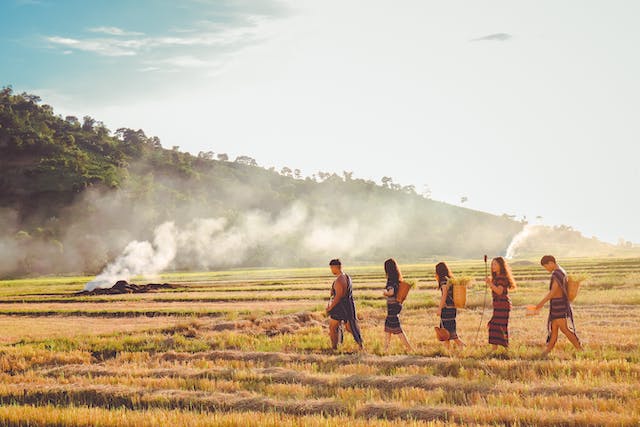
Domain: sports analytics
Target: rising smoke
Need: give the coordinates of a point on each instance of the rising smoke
(561, 240)
(262, 220)
(519, 240)
(215, 242)
(140, 258)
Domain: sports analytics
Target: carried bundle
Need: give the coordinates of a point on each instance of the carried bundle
(403, 290)
(573, 285)
(460, 285)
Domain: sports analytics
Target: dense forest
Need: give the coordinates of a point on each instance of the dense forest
(73, 194)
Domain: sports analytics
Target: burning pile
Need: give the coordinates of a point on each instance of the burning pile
(124, 287)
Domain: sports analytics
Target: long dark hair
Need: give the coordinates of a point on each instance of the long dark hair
(392, 270)
(505, 270)
(442, 271)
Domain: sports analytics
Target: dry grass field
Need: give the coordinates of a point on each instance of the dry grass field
(251, 348)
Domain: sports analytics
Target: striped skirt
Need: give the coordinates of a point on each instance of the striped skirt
(499, 323)
(392, 322)
(448, 321)
(559, 308)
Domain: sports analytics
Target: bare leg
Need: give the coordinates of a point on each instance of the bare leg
(387, 340)
(572, 337)
(348, 326)
(459, 342)
(554, 336)
(446, 344)
(333, 333)
(405, 341)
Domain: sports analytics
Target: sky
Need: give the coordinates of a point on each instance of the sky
(528, 108)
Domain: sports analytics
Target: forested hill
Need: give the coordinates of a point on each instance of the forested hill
(73, 194)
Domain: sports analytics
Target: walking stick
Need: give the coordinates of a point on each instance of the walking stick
(484, 300)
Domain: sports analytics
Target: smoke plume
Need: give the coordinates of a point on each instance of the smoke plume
(215, 242)
(519, 240)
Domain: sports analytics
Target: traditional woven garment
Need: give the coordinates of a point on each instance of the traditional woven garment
(499, 323)
(392, 322)
(560, 308)
(449, 312)
(345, 310)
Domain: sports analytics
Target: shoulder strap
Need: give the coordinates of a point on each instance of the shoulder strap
(349, 283)
(563, 285)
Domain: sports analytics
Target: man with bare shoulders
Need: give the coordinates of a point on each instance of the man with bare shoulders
(559, 307)
(342, 308)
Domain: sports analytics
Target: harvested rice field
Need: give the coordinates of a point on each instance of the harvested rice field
(251, 347)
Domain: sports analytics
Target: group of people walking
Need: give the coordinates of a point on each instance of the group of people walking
(342, 310)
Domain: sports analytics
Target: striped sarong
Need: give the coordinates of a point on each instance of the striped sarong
(499, 323)
(449, 312)
(558, 308)
(448, 321)
(392, 322)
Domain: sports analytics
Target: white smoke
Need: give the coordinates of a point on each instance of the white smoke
(520, 239)
(140, 258)
(214, 242)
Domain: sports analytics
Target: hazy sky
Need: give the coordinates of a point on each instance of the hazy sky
(527, 108)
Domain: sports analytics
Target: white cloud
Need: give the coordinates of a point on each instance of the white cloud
(500, 37)
(218, 39)
(114, 31)
(148, 69)
(29, 2)
(186, 62)
(106, 47)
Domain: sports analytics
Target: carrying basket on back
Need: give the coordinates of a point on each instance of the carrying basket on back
(573, 285)
(403, 290)
(460, 291)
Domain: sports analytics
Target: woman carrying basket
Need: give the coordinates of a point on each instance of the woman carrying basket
(447, 310)
(394, 305)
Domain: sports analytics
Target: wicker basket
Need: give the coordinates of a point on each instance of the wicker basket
(442, 334)
(460, 295)
(460, 285)
(573, 286)
(403, 290)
